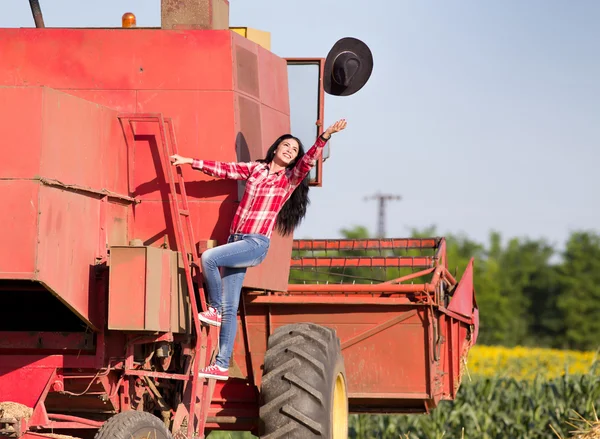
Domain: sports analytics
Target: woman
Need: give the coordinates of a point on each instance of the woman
(276, 195)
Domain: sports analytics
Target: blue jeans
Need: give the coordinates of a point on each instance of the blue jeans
(240, 252)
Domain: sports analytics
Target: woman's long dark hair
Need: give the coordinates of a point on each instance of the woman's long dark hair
(293, 211)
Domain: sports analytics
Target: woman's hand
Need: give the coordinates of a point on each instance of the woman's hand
(177, 160)
(336, 127)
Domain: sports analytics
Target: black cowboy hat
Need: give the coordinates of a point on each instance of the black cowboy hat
(348, 67)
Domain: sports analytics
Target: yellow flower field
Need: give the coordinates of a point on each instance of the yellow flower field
(525, 363)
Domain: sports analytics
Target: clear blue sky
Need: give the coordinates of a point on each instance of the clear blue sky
(482, 114)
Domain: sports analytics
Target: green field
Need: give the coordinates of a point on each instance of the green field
(491, 408)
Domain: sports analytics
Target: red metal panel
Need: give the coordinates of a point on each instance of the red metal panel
(116, 224)
(73, 127)
(10, 362)
(20, 130)
(92, 149)
(273, 78)
(410, 375)
(249, 141)
(164, 310)
(19, 201)
(118, 100)
(207, 217)
(258, 332)
(157, 290)
(245, 66)
(116, 59)
(274, 125)
(273, 272)
(462, 299)
(12, 380)
(407, 339)
(68, 245)
(126, 291)
(204, 129)
(77, 341)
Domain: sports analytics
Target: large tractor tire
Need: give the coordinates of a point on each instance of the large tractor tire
(133, 425)
(303, 390)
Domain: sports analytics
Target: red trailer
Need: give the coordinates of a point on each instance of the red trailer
(99, 278)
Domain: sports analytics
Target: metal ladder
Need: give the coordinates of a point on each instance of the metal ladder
(180, 213)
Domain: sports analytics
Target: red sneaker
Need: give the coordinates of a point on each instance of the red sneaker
(213, 371)
(211, 316)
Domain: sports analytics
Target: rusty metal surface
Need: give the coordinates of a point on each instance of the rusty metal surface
(181, 312)
(247, 71)
(197, 14)
(158, 290)
(140, 289)
(127, 288)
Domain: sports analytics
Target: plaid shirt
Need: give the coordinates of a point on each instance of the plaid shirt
(265, 193)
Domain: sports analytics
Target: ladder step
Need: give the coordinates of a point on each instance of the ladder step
(184, 212)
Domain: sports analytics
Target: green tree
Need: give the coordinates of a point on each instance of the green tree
(579, 301)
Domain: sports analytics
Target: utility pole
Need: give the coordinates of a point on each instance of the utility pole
(382, 199)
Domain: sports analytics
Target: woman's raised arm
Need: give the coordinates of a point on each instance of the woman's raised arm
(305, 164)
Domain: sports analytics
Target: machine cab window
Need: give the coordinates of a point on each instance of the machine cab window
(307, 99)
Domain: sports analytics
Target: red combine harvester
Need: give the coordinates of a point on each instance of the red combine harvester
(99, 278)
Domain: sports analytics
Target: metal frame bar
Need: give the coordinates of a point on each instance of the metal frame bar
(378, 328)
(410, 276)
(362, 288)
(364, 261)
(87, 190)
(330, 299)
(367, 244)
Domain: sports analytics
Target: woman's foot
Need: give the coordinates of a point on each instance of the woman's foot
(210, 317)
(214, 372)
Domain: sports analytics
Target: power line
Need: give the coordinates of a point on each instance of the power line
(382, 199)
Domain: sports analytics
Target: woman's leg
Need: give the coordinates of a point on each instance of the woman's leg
(242, 253)
(212, 275)
(249, 251)
(233, 278)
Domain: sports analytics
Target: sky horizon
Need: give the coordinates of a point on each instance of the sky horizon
(482, 115)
